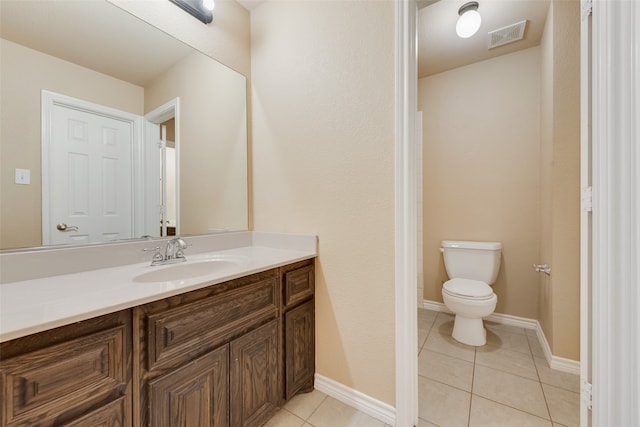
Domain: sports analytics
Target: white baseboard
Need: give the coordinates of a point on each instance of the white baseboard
(356, 399)
(555, 362)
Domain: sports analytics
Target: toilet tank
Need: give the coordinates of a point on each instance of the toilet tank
(472, 260)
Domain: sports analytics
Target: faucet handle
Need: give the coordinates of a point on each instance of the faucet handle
(157, 256)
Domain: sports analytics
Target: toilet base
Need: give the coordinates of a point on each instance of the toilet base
(469, 331)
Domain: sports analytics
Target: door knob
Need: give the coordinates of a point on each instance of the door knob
(65, 227)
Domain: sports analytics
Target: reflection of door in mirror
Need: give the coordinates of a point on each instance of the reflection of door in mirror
(87, 193)
(168, 177)
(162, 135)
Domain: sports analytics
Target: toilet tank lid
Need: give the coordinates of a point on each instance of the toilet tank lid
(489, 246)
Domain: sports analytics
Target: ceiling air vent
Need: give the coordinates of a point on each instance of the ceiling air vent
(508, 34)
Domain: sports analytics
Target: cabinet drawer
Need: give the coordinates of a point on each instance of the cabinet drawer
(298, 285)
(44, 384)
(209, 322)
(109, 415)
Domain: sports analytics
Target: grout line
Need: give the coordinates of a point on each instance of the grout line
(473, 376)
(316, 409)
(475, 363)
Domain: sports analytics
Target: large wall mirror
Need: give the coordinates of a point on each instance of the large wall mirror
(78, 74)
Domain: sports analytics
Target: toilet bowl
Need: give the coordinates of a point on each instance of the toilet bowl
(470, 301)
(472, 268)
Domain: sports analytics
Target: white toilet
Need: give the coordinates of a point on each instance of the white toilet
(472, 267)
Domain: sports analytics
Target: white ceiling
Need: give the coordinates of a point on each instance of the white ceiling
(440, 49)
(81, 29)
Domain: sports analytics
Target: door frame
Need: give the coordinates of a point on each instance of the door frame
(50, 99)
(586, 227)
(615, 247)
(406, 225)
(152, 121)
(615, 131)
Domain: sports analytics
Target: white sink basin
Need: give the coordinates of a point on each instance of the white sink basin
(186, 270)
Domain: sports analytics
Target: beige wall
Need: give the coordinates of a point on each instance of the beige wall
(23, 74)
(323, 135)
(481, 170)
(213, 142)
(559, 303)
(227, 39)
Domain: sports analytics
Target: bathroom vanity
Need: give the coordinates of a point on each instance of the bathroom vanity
(223, 352)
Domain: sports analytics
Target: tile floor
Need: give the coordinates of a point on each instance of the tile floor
(505, 383)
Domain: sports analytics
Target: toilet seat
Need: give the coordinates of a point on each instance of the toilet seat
(468, 289)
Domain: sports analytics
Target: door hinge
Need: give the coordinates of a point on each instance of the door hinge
(587, 199)
(587, 8)
(586, 390)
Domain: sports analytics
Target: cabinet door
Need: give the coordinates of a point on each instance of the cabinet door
(254, 376)
(299, 349)
(195, 395)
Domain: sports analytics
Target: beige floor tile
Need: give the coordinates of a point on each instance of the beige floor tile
(487, 413)
(444, 343)
(444, 322)
(423, 423)
(446, 369)
(531, 332)
(426, 318)
(304, 404)
(564, 405)
(557, 378)
(493, 326)
(536, 347)
(441, 404)
(511, 390)
(507, 360)
(423, 313)
(284, 418)
(422, 336)
(333, 413)
(508, 340)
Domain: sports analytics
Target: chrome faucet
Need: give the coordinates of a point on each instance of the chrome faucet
(174, 249)
(173, 253)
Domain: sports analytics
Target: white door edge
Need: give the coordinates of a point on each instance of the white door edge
(406, 93)
(585, 213)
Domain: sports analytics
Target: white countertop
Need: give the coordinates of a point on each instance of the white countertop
(36, 305)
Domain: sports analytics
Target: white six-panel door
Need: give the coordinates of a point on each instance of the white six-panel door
(87, 175)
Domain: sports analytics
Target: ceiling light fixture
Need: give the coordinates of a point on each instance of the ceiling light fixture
(469, 21)
(209, 5)
(201, 9)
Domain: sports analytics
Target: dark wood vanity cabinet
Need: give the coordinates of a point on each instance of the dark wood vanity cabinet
(225, 355)
(76, 375)
(298, 285)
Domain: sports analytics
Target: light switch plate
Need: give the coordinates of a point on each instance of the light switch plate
(23, 176)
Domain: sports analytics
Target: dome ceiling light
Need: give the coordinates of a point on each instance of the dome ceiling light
(469, 21)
